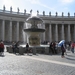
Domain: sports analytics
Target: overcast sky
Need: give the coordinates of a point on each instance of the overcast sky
(52, 6)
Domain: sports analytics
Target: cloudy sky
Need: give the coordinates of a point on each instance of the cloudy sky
(52, 6)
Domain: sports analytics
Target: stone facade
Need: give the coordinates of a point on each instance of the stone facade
(56, 27)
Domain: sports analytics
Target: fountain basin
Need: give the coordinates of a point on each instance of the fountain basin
(33, 33)
(34, 30)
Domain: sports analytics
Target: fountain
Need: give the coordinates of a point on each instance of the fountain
(33, 34)
(34, 31)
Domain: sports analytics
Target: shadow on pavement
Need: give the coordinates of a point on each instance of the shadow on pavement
(70, 55)
(70, 59)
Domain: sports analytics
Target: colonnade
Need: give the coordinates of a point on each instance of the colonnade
(56, 27)
(11, 30)
(57, 32)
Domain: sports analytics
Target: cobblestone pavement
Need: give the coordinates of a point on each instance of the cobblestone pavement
(39, 64)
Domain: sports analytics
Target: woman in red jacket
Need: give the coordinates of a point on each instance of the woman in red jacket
(1, 47)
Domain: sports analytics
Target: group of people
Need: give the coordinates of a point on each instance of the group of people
(71, 47)
(53, 47)
(15, 46)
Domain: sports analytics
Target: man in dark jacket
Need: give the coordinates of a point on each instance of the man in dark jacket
(27, 48)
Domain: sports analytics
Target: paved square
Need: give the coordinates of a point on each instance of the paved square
(39, 64)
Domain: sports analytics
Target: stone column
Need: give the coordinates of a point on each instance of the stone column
(17, 35)
(25, 35)
(56, 32)
(69, 37)
(62, 32)
(74, 32)
(42, 35)
(50, 33)
(10, 31)
(3, 30)
(44, 32)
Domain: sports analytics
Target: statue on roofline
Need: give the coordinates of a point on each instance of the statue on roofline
(43, 12)
(11, 8)
(25, 11)
(18, 10)
(4, 7)
(31, 11)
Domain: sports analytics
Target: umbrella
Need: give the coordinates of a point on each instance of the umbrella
(61, 42)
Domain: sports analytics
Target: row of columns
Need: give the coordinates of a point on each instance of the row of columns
(7, 31)
(10, 30)
(63, 34)
(17, 32)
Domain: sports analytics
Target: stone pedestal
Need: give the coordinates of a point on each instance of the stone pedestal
(7, 49)
(10, 50)
(34, 50)
(46, 50)
(21, 51)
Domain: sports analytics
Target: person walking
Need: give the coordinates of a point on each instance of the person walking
(2, 48)
(63, 50)
(51, 48)
(27, 48)
(16, 50)
(72, 47)
(13, 47)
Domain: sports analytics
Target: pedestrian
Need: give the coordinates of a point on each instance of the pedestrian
(63, 50)
(27, 48)
(2, 48)
(13, 47)
(51, 48)
(16, 47)
(54, 48)
(72, 47)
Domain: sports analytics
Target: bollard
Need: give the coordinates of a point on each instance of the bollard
(21, 51)
(46, 50)
(10, 50)
(34, 50)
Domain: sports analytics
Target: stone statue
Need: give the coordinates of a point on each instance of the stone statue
(74, 14)
(11, 8)
(49, 13)
(44, 13)
(4, 7)
(25, 11)
(37, 12)
(31, 11)
(18, 10)
(62, 14)
(56, 13)
(68, 14)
